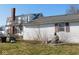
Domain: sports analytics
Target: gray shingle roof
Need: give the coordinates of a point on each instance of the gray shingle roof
(55, 19)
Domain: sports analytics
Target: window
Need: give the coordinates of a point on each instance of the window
(19, 20)
(25, 19)
(61, 26)
(28, 18)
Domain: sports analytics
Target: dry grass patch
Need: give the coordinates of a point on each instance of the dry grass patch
(36, 48)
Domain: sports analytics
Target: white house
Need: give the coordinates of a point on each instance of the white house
(66, 26)
(19, 21)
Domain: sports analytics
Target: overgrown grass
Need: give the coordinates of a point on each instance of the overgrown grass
(35, 48)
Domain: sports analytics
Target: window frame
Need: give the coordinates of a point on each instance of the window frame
(62, 26)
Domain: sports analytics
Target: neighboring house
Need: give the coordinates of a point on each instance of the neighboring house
(66, 26)
(20, 20)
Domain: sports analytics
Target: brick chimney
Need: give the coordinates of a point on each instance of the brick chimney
(13, 11)
(13, 14)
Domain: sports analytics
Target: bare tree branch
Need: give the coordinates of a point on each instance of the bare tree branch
(73, 9)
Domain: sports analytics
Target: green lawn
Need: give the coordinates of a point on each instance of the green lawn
(21, 48)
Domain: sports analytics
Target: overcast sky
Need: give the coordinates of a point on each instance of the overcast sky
(47, 10)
